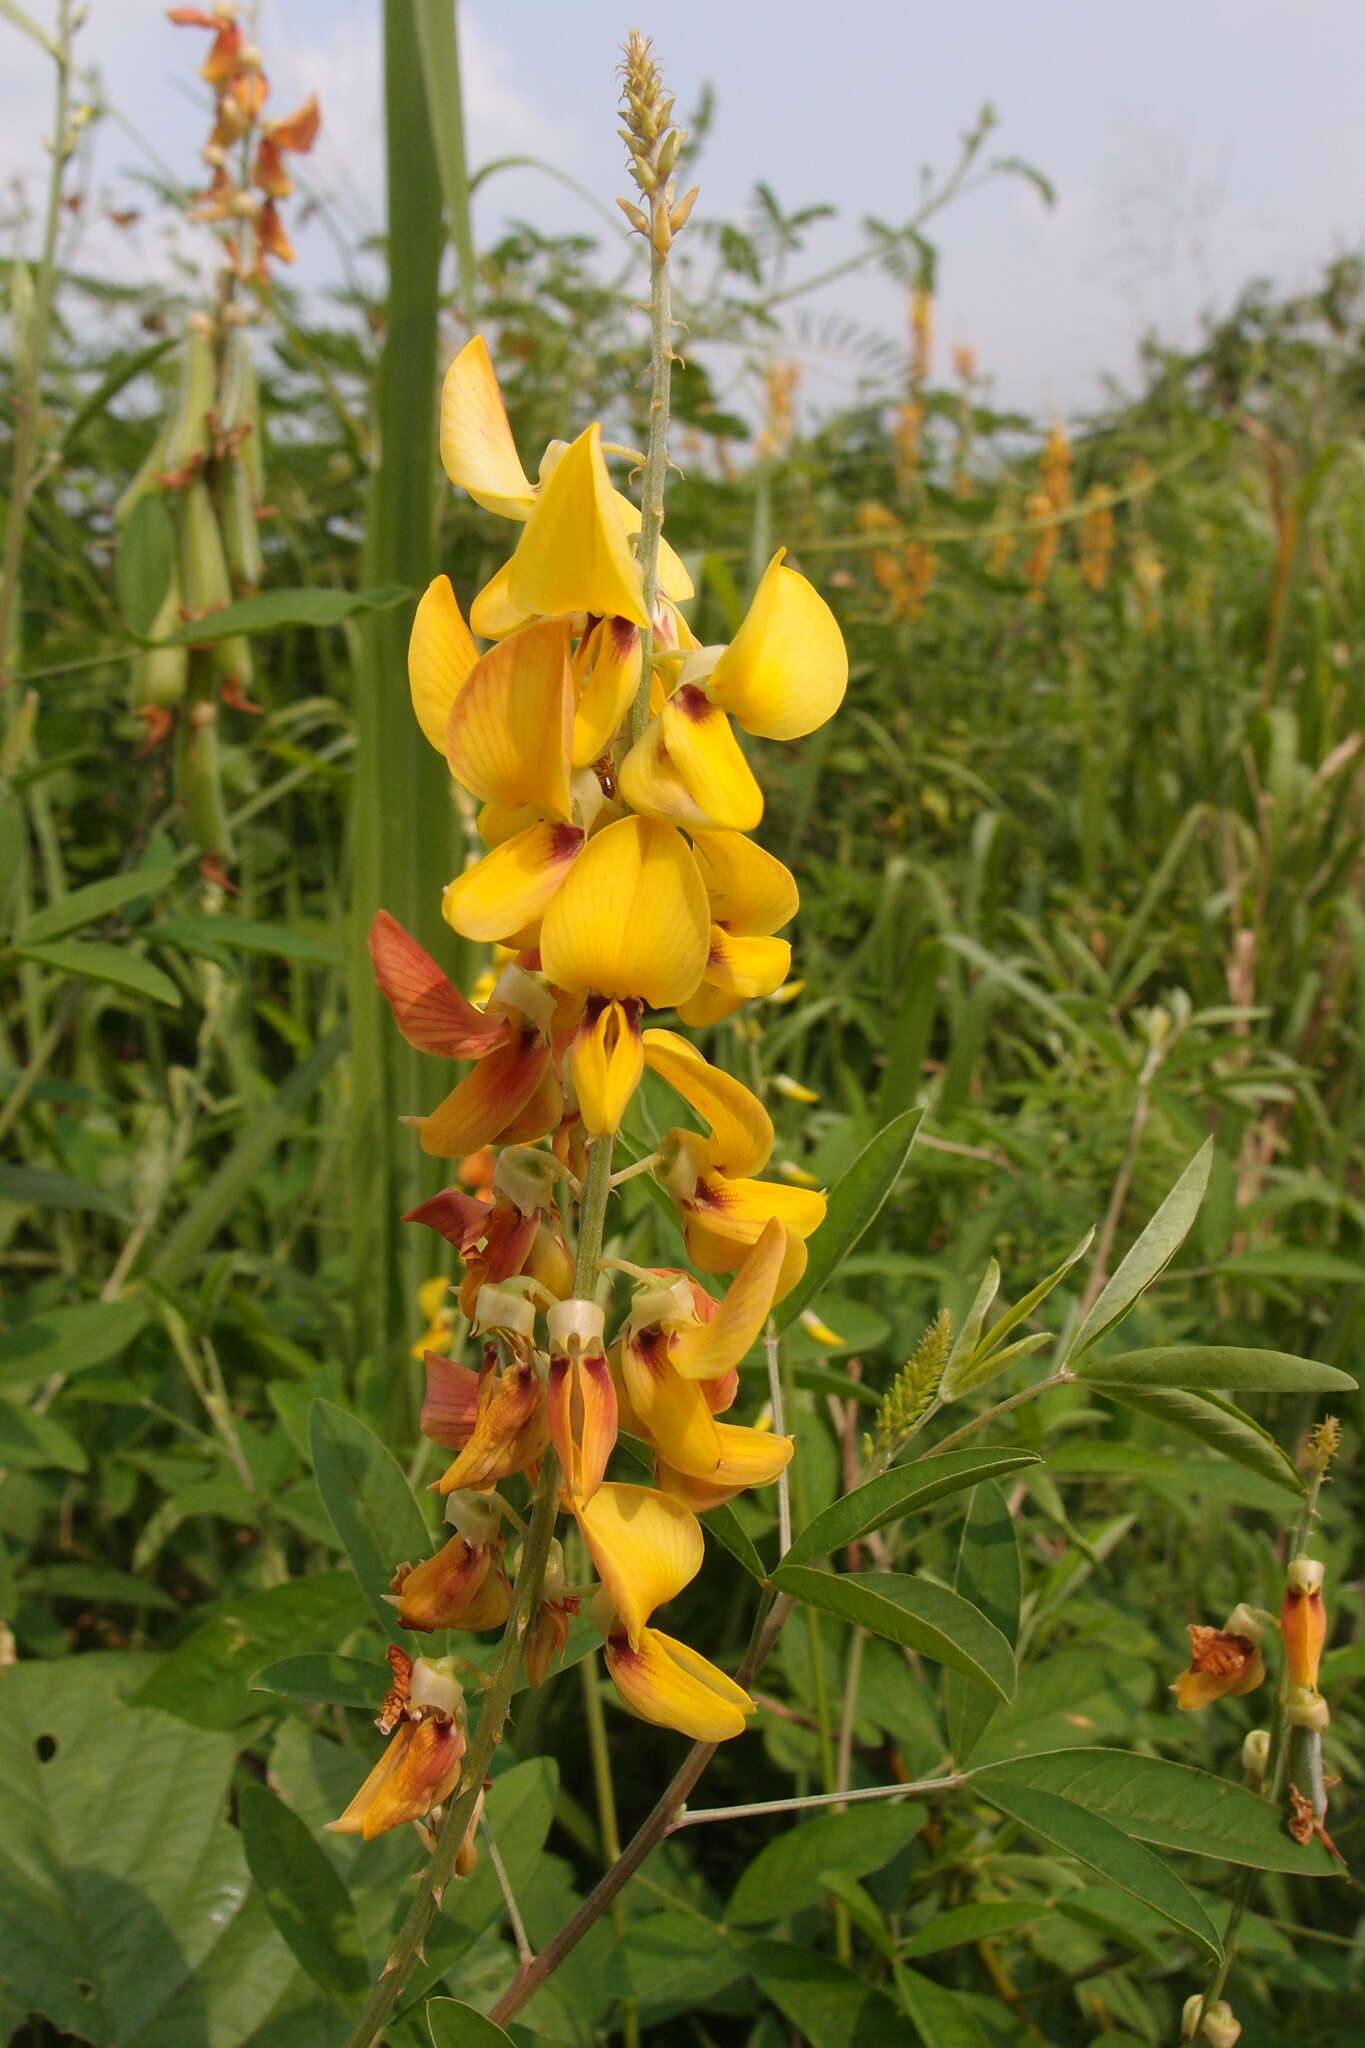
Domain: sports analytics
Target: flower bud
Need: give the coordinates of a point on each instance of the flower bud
(1221, 2029)
(1308, 1709)
(474, 1515)
(1255, 1757)
(1303, 1621)
(498, 1308)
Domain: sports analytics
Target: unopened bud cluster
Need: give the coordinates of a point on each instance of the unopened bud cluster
(653, 142)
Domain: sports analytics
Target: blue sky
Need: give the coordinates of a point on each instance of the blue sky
(1192, 145)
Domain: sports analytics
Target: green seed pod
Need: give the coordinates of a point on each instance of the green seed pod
(241, 530)
(153, 462)
(201, 785)
(160, 674)
(239, 404)
(203, 565)
(232, 666)
(189, 430)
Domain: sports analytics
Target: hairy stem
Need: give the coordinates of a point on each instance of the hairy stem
(656, 470)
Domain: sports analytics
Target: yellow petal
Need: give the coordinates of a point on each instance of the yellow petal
(477, 448)
(750, 891)
(574, 555)
(510, 1431)
(607, 1062)
(510, 888)
(744, 967)
(706, 1350)
(441, 654)
(645, 1548)
(581, 1401)
(631, 917)
(490, 1098)
(510, 730)
(748, 1457)
(651, 784)
(672, 1413)
(708, 1006)
(608, 690)
(710, 761)
(786, 670)
(493, 613)
(668, 1683)
(497, 822)
(741, 1129)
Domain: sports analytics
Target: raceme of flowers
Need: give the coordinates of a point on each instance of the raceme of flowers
(617, 880)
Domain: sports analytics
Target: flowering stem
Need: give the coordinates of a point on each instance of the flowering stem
(1060, 1378)
(772, 1351)
(656, 469)
(692, 1818)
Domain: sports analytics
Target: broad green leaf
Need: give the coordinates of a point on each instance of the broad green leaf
(913, 1612)
(309, 1904)
(38, 1187)
(1095, 1841)
(1171, 1805)
(270, 610)
(829, 2006)
(968, 1369)
(214, 936)
(453, 2024)
(853, 1204)
(115, 966)
(84, 906)
(206, 1679)
(1152, 1253)
(724, 1524)
(988, 1574)
(1071, 1698)
(373, 1509)
(940, 2017)
(1184, 1480)
(118, 1873)
(1217, 1366)
(1216, 1423)
(68, 1340)
(36, 1442)
(143, 563)
(902, 1491)
(671, 1962)
(97, 1584)
(519, 1810)
(326, 1680)
(983, 1922)
(787, 1874)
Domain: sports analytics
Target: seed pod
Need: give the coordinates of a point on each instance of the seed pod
(145, 479)
(233, 669)
(160, 674)
(241, 531)
(239, 405)
(203, 565)
(201, 785)
(189, 430)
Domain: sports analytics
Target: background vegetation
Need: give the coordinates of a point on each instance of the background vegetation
(1081, 869)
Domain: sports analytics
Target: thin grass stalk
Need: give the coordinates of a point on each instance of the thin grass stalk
(438, 41)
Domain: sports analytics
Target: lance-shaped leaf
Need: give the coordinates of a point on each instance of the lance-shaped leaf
(1152, 1253)
(901, 1491)
(1218, 1366)
(854, 1204)
(911, 1611)
(453, 2024)
(989, 1574)
(1215, 1422)
(325, 1679)
(307, 1900)
(371, 1505)
(71, 913)
(975, 1359)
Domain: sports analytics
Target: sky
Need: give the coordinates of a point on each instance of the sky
(1193, 144)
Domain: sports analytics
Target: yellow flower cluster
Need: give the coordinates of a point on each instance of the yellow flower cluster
(618, 878)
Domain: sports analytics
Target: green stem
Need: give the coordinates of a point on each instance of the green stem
(656, 470)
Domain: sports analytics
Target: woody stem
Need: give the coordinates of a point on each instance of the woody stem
(497, 1699)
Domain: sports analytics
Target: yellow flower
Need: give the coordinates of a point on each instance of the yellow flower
(421, 1766)
(1303, 1622)
(433, 1300)
(1224, 1662)
(631, 918)
(581, 1398)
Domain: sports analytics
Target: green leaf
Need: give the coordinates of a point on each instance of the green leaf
(788, 1873)
(961, 1924)
(1069, 1700)
(519, 1810)
(940, 2017)
(1152, 1253)
(1103, 1848)
(36, 1187)
(1216, 1423)
(213, 936)
(1171, 1805)
(324, 1679)
(372, 1508)
(453, 2024)
(988, 1574)
(827, 2005)
(84, 906)
(1292, 1262)
(118, 1874)
(116, 966)
(144, 563)
(35, 1442)
(310, 1906)
(206, 1679)
(100, 1585)
(724, 1524)
(968, 1369)
(901, 1491)
(912, 1612)
(272, 609)
(1218, 1366)
(670, 1962)
(854, 1204)
(969, 1330)
(68, 1340)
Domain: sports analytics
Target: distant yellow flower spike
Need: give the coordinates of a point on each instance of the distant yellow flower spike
(573, 555)
(673, 1686)
(741, 1139)
(794, 1090)
(821, 1331)
(477, 448)
(511, 728)
(631, 918)
(441, 654)
(645, 1549)
(786, 670)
